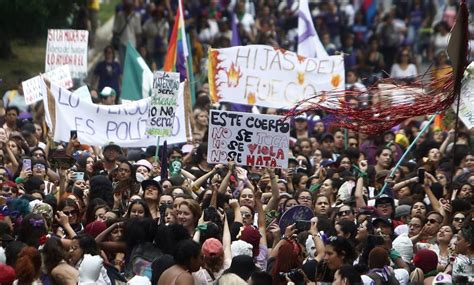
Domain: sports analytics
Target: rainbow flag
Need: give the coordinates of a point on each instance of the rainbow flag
(177, 47)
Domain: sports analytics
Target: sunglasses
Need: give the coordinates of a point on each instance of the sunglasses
(70, 213)
(460, 220)
(344, 213)
(432, 221)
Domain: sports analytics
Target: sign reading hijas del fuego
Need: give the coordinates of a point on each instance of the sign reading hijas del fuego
(270, 77)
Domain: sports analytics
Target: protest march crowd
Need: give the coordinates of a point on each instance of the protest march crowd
(329, 212)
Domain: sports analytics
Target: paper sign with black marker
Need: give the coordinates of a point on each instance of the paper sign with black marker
(248, 139)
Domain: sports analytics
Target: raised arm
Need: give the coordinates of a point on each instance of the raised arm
(261, 218)
(359, 191)
(273, 203)
(196, 185)
(226, 180)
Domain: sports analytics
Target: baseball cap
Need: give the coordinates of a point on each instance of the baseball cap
(326, 136)
(112, 145)
(108, 91)
(383, 198)
(402, 210)
(301, 117)
(212, 247)
(383, 220)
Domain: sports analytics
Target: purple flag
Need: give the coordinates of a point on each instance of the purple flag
(235, 41)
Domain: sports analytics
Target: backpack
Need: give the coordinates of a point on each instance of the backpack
(379, 281)
(141, 258)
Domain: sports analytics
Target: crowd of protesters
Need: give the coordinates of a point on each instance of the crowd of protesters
(72, 213)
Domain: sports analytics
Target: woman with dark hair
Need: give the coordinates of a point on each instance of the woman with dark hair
(304, 198)
(92, 207)
(199, 165)
(138, 209)
(346, 229)
(81, 245)
(347, 275)
(338, 252)
(188, 259)
(28, 266)
(462, 268)
(56, 267)
(32, 228)
(69, 208)
(125, 184)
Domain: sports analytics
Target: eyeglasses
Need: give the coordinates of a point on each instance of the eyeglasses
(70, 213)
(432, 221)
(459, 220)
(344, 213)
(416, 226)
(39, 166)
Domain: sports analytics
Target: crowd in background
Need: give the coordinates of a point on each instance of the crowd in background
(75, 213)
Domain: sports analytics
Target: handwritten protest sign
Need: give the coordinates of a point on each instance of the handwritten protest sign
(248, 139)
(466, 105)
(32, 88)
(270, 77)
(67, 47)
(123, 124)
(163, 103)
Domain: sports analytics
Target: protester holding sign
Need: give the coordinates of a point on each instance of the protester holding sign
(264, 196)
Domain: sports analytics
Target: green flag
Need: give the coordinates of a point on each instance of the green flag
(137, 77)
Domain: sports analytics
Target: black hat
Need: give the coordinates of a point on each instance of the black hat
(151, 182)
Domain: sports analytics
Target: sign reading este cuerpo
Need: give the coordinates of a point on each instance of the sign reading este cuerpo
(248, 139)
(163, 103)
(271, 77)
(67, 47)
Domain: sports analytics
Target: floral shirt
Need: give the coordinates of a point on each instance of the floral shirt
(463, 266)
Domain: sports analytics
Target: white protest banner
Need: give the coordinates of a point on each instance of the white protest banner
(97, 124)
(67, 47)
(163, 103)
(248, 139)
(270, 77)
(32, 87)
(466, 105)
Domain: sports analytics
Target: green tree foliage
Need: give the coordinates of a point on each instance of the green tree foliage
(30, 19)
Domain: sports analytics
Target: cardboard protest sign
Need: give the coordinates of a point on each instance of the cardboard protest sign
(67, 47)
(32, 88)
(123, 124)
(248, 139)
(466, 105)
(163, 103)
(270, 77)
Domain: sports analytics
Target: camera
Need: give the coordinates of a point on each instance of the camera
(294, 275)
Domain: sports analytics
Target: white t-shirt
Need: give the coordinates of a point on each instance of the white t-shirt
(398, 72)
